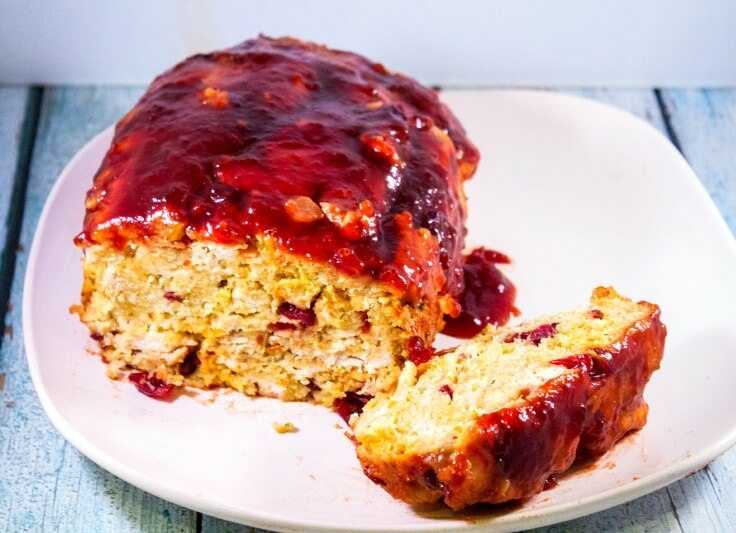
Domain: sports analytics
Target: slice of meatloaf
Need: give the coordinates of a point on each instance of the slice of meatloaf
(492, 420)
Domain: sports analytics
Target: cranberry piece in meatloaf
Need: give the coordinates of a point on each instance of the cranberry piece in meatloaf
(492, 420)
(277, 217)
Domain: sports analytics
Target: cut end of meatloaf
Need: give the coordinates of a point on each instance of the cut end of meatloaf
(248, 316)
(492, 420)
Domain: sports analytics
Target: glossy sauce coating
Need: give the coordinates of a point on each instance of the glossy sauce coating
(488, 296)
(539, 439)
(339, 159)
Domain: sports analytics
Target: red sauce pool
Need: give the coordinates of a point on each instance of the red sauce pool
(488, 296)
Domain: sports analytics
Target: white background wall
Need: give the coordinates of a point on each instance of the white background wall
(454, 42)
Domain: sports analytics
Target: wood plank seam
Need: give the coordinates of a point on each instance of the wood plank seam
(713, 480)
(56, 482)
(674, 510)
(667, 120)
(29, 129)
(706, 118)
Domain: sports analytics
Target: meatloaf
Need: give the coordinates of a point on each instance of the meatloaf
(277, 217)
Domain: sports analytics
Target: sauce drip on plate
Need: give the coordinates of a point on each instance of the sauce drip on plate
(487, 298)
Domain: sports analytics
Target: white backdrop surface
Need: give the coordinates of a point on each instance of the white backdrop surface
(454, 42)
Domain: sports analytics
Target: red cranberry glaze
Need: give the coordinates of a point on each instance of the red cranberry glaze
(487, 298)
(539, 439)
(418, 352)
(596, 367)
(351, 403)
(446, 389)
(282, 326)
(152, 386)
(339, 159)
(173, 297)
(536, 335)
(365, 323)
(190, 364)
(305, 317)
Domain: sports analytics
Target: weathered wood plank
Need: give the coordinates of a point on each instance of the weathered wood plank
(704, 122)
(704, 125)
(18, 118)
(13, 102)
(46, 485)
(639, 102)
(651, 514)
(210, 524)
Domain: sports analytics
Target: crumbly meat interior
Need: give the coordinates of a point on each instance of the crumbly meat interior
(251, 317)
(438, 403)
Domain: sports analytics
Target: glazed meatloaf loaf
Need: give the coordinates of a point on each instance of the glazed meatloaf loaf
(492, 420)
(278, 217)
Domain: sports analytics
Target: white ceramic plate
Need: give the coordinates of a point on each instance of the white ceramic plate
(578, 193)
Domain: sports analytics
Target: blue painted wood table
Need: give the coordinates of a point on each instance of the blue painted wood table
(46, 485)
